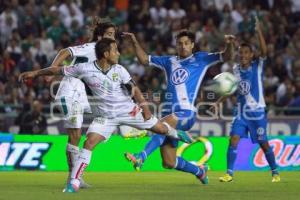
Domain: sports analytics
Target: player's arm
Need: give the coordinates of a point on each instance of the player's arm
(50, 71)
(140, 53)
(228, 53)
(261, 39)
(62, 55)
(137, 95)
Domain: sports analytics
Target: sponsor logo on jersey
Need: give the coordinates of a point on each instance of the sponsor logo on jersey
(244, 87)
(179, 76)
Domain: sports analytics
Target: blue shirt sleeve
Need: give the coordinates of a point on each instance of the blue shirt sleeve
(159, 61)
(209, 58)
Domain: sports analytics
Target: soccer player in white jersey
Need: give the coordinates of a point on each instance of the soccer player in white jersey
(111, 106)
(250, 115)
(71, 96)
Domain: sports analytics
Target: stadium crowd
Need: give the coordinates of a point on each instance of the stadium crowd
(33, 31)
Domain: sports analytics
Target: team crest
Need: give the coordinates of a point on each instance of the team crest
(115, 77)
(244, 87)
(179, 76)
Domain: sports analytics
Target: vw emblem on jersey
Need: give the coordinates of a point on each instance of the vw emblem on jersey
(260, 131)
(244, 87)
(179, 76)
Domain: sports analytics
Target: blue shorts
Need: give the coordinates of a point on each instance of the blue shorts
(253, 122)
(186, 119)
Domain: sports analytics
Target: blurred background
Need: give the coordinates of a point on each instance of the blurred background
(33, 31)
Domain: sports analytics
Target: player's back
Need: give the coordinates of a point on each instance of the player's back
(250, 90)
(71, 87)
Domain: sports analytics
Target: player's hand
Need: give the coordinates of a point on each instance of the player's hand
(27, 75)
(229, 38)
(128, 35)
(257, 24)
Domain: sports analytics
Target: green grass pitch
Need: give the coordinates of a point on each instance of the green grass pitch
(149, 185)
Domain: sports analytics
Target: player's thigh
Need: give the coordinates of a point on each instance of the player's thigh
(168, 155)
(239, 128)
(258, 130)
(137, 121)
(103, 126)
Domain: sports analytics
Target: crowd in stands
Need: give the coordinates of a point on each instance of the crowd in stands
(33, 31)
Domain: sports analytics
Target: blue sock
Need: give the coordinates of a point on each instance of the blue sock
(185, 166)
(154, 143)
(231, 156)
(271, 160)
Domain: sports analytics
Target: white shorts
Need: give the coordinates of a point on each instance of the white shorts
(74, 89)
(72, 111)
(106, 127)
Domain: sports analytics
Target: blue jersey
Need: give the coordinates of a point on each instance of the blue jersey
(250, 91)
(184, 77)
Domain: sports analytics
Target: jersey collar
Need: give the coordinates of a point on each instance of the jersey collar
(100, 69)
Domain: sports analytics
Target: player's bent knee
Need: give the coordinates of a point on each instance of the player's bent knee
(168, 165)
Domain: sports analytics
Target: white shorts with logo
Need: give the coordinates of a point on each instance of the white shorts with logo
(105, 126)
(71, 99)
(72, 111)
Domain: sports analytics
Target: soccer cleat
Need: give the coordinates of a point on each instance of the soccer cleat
(226, 178)
(275, 178)
(203, 178)
(135, 160)
(185, 137)
(83, 184)
(70, 188)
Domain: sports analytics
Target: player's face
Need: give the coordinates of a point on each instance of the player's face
(184, 47)
(245, 56)
(114, 54)
(110, 33)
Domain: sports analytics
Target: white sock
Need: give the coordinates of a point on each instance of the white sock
(81, 163)
(72, 153)
(171, 131)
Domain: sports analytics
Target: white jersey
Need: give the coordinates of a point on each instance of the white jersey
(71, 87)
(109, 98)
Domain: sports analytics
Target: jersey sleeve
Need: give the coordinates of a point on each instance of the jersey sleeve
(209, 58)
(159, 61)
(77, 51)
(73, 70)
(125, 76)
(261, 62)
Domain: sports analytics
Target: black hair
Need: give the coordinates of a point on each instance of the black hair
(100, 29)
(244, 44)
(186, 33)
(102, 46)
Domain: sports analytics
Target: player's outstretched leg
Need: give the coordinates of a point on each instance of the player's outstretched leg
(138, 159)
(170, 161)
(270, 157)
(231, 157)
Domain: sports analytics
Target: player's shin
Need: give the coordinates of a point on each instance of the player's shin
(72, 152)
(231, 157)
(81, 163)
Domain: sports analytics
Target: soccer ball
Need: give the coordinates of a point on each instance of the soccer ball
(224, 84)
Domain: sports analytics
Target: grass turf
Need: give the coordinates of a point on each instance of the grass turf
(149, 185)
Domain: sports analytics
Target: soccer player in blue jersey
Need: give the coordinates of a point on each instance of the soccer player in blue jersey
(184, 73)
(250, 115)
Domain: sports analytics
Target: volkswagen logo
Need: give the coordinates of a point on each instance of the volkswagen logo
(244, 87)
(179, 76)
